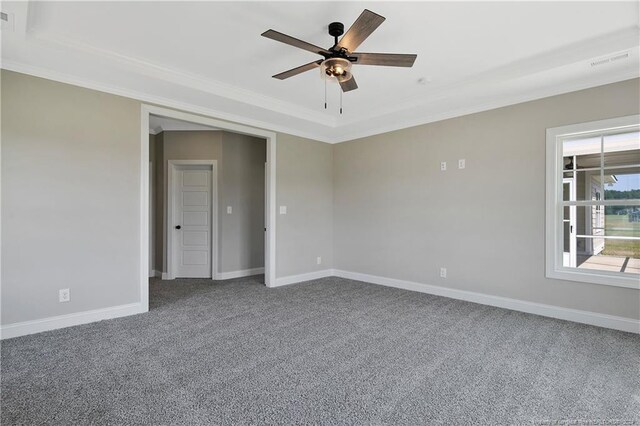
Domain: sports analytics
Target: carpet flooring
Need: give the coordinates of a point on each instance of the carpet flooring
(330, 351)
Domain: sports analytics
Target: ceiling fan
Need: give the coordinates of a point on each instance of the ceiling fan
(336, 65)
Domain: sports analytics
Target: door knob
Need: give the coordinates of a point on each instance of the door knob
(178, 227)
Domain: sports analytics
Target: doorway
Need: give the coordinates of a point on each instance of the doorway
(197, 258)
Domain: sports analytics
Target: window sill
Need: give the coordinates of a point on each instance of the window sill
(596, 277)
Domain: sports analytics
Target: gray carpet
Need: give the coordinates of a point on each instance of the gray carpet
(331, 351)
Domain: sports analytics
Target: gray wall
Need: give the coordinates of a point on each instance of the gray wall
(305, 186)
(242, 187)
(70, 198)
(397, 215)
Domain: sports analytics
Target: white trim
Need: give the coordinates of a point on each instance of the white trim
(554, 205)
(585, 317)
(344, 134)
(168, 208)
(239, 274)
(270, 211)
(144, 211)
(152, 220)
(583, 51)
(294, 279)
(165, 276)
(68, 320)
(162, 102)
(335, 133)
(186, 79)
(157, 274)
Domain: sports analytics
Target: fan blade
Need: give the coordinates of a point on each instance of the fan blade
(292, 41)
(384, 59)
(366, 23)
(349, 85)
(298, 70)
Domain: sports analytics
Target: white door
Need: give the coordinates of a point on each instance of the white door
(569, 225)
(192, 221)
(597, 217)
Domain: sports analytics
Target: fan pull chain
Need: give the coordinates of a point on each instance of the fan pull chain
(340, 88)
(325, 93)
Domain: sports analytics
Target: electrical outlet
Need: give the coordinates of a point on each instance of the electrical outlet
(64, 295)
(319, 260)
(283, 209)
(461, 163)
(443, 272)
(443, 166)
(229, 209)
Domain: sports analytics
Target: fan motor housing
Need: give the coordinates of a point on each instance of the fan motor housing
(336, 29)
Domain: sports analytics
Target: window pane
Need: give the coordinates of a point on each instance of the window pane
(580, 146)
(602, 237)
(585, 186)
(618, 256)
(622, 184)
(622, 149)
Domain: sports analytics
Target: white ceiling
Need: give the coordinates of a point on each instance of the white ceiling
(159, 124)
(210, 58)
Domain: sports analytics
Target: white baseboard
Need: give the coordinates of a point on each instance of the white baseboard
(239, 274)
(292, 279)
(155, 274)
(52, 323)
(165, 276)
(575, 315)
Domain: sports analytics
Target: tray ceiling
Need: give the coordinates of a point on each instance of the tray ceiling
(209, 57)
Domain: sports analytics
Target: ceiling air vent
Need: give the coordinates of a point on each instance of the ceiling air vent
(608, 59)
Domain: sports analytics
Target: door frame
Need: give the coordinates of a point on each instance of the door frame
(169, 206)
(270, 196)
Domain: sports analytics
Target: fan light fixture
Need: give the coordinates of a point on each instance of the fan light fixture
(336, 69)
(337, 59)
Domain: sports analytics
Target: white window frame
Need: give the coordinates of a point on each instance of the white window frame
(554, 216)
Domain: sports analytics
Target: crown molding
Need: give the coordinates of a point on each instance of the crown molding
(585, 50)
(541, 93)
(341, 136)
(375, 120)
(152, 99)
(182, 78)
(582, 51)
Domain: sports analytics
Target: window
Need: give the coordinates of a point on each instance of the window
(593, 202)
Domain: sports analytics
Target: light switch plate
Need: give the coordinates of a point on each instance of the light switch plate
(229, 209)
(461, 163)
(283, 209)
(443, 166)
